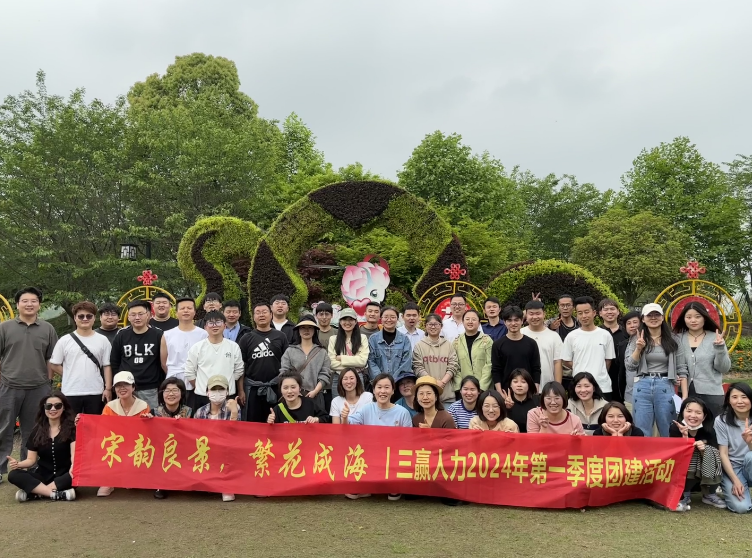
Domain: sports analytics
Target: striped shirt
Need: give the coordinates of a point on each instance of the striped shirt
(461, 415)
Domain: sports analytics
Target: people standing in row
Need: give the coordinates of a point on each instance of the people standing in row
(212, 302)
(307, 358)
(262, 349)
(162, 308)
(494, 326)
(136, 349)
(109, 316)
(548, 341)
(280, 305)
(609, 312)
(389, 351)
(624, 387)
(435, 356)
(324, 315)
(514, 350)
(234, 330)
(177, 342)
(706, 354)
(373, 315)
(563, 324)
(213, 356)
(454, 325)
(656, 361)
(411, 317)
(82, 358)
(589, 348)
(26, 345)
(348, 349)
(473, 348)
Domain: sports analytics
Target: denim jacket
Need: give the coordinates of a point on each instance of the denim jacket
(390, 359)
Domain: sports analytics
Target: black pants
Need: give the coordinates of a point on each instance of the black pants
(87, 404)
(256, 408)
(199, 401)
(609, 396)
(190, 400)
(29, 480)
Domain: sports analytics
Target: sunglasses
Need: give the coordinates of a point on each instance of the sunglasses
(84, 316)
(50, 406)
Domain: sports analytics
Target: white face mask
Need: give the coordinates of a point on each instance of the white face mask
(217, 396)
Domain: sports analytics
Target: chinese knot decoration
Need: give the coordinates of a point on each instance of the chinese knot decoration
(147, 277)
(692, 269)
(455, 271)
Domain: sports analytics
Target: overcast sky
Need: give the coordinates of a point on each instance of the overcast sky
(562, 87)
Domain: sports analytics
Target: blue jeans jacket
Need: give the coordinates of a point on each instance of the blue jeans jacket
(390, 359)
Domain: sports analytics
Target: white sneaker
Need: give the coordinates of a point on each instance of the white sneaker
(228, 497)
(394, 497)
(105, 491)
(356, 496)
(22, 496)
(63, 495)
(682, 507)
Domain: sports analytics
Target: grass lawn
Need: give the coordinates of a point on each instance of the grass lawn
(132, 523)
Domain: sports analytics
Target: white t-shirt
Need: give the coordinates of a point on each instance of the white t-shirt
(178, 343)
(80, 375)
(549, 347)
(451, 330)
(588, 351)
(205, 359)
(338, 403)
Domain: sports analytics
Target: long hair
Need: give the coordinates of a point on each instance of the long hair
(172, 381)
(40, 434)
(296, 332)
(698, 307)
(707, 422)
(615, 405)
(597, 393)
(340, 343)
(728, 414)
(668, 342)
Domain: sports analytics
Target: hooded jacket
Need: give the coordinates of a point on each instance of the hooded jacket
(436, 360)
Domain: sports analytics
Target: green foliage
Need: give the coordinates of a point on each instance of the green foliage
(486, 250)
(395, 298)
(632, 253)
(550, 278)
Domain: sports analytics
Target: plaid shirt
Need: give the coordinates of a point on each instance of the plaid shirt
(224, 413)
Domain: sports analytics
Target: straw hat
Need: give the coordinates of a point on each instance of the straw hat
(430, 381)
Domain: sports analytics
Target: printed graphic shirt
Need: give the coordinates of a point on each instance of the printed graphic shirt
(262, 354)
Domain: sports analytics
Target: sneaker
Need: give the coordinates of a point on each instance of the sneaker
(682, 506)
(160, 494)
(105, 491)
(63, 495)
(228, 497)
(714, 500)
(394, 497)
(356, 496)
(22, 496)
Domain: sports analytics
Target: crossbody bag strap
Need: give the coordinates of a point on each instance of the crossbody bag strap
(87, 352)
(286, 413)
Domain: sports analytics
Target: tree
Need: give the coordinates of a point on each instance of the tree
(674, 180)
(633, 254)
(487, 251)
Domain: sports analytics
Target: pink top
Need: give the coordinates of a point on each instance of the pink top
(570, 424)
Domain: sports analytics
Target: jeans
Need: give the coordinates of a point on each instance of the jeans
(745, 476)
(653, 400)
(150, 396)
(24, 405)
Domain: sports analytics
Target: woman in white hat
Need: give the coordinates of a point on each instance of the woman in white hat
(349, 348)
(655, 359)
(307, 357)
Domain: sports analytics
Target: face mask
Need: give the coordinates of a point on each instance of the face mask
(217, 396)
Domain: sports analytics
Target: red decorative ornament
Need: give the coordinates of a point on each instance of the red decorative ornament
(147, 277)
(692, 269)
(455, 271)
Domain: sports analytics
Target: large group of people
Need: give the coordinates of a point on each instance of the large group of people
(517, 372)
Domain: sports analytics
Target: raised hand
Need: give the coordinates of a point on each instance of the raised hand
(747, 433)
(683, 428)
(719, 340)
(345, 412)
(536, 296)
(508, 402)
(270, 418)
(641, 340)
(232, 404)
(555, 324)
(624, 429)
(544, 421)
(608, 430)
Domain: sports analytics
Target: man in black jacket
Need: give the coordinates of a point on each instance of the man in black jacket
(280, 308)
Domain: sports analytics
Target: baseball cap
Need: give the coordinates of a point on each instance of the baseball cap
(652, 307)
(123, 378)
(348, 313)
(217, 380)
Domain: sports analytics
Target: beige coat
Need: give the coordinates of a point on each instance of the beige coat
(437, 360)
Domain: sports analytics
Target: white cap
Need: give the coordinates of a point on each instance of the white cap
(652, 307)
(123, 378)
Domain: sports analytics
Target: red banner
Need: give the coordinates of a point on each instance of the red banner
(530, 470)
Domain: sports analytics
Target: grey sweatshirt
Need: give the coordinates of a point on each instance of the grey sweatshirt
(317, 370)
(677, 365)
(707, 364)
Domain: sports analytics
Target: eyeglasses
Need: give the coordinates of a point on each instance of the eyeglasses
(171, 392)
(491, 407)
(84, 316)
(50, 406)
(215, 323)
(457, 304)
(139, 315)
(552, 399)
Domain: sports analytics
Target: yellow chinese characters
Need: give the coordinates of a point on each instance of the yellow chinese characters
(261, 456)
(170, 456)
(201, 455)
(292, 460)
(355, 463)
(143, 452)
(323, 461)
(114, 442)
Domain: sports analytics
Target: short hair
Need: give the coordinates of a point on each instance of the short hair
(139, 303)
(411, 306)
(324, 307)
(291, 375)
(109, 307)
(562, 296)
(458, 295)
(497, 397)
(213, 316)
(359, 389)
(629, 315)
(616, 405)
(471, 311)
(525, 375)
(584, 300)
(160, 295)
(185, 299)
(28, 290)
(597, 393)
(416, 404)
(259, 304)
(85, 305)
(491, 299)
(557, 389)
(383, 376)
(231, 304)
(172, 381)
(472, 379)
(283, 297)
(535, 305)
(374, 303)
(608, 302)
(511, 312)
(390, 309)
(212, 296)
